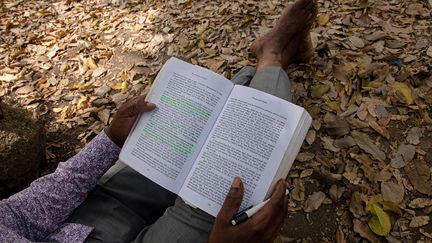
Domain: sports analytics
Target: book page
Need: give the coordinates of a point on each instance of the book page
(165, 142)
(248, 140)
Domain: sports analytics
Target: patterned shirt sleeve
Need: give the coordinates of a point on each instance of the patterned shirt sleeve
(41, 208)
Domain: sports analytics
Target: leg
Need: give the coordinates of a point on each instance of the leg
(180, 223)
(244, 76)
(122, 206)
(273, 80)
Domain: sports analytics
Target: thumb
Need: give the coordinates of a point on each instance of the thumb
(232, 201)
(135, 106)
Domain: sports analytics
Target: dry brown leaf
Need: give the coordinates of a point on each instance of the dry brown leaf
(24, 90)
(363, 230)
(98, 72)
(414, 135)
(403, 156)
(365, 143)
(310, 136)
(336, 192)
(356, 41)
(104, 115)
(356, 205)
(306, 156)
(306, 173)
(298, 193)
(314, 201)
(420, 203)
(327, 143)
(392, 192)
(8, 77)
(418, 221)
(381, 130)
(337, 128)
(419, 175)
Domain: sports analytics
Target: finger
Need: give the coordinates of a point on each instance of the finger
(232, 201)
(136, 106)
(278, 195)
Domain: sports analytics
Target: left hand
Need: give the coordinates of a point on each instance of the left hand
(125, 118)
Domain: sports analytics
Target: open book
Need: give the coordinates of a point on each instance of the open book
(205, 131)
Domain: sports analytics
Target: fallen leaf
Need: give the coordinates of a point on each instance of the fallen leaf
(124, 87)
(310, 136)
(345, 142)
(419, 175)
(418, 221)
(118, 98)
(91, 63)
(392, 192)
(365, 143)
(82, 102)
(414, 9)
(429, 51)
(357, 42)
(306, 156)
(98, 72)
(104, 115)
(356, 205)
(363, 230)
(380, 222)
(337, 128)
(24, 90)
(306, 173)
(420, 203)
(340, 237)
(403, 156)
(405, 90)
(201, 43)
(101, 91)
(50, 54)
(314, 201)
(323, 19)
(414, 135)
(327, 143)
(381, 130)
(8, 77)
(319, 90)
(298, 192)
(336, 192)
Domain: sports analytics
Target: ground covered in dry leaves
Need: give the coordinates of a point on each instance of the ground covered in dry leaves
(364, 171)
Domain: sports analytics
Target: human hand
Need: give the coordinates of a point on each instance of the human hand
(261, 227)
(125, 118)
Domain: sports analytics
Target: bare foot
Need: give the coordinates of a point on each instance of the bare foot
(289, 40)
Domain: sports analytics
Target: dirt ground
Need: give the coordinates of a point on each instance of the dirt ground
(364, 171)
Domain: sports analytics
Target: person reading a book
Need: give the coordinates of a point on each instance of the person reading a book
(83, 202)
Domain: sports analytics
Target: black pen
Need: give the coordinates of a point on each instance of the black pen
(248, 212)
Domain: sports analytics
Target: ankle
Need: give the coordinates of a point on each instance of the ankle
(268, 63)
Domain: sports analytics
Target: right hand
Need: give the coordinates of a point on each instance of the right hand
(264, 226)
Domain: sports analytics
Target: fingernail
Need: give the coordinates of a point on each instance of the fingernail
(236, 183)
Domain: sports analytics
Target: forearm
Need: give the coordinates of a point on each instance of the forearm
(48, 201)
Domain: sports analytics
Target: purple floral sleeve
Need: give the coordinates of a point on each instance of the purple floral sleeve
(40, 209)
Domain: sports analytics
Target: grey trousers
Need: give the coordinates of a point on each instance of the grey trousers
(128, 207)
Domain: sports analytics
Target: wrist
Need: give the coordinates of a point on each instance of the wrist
(107, 131)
